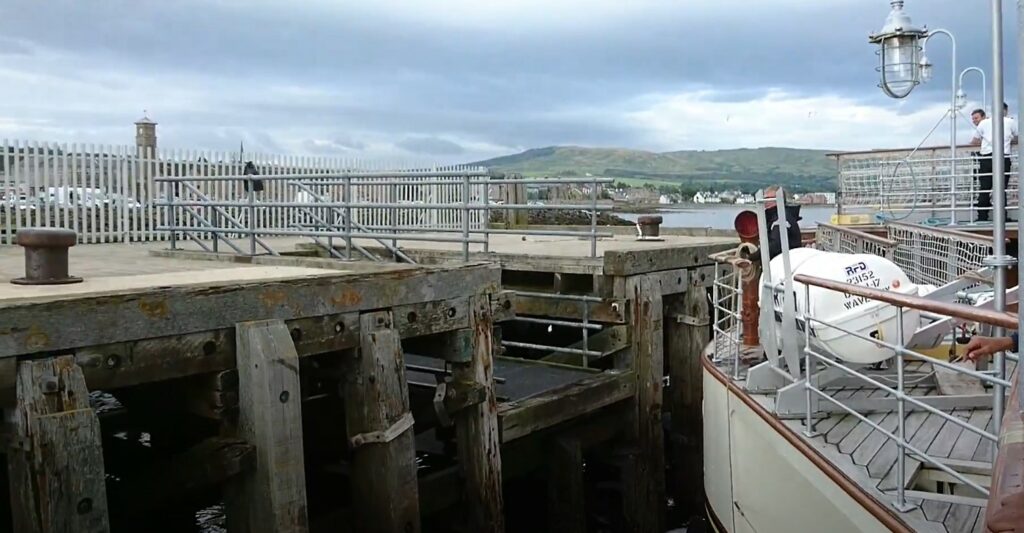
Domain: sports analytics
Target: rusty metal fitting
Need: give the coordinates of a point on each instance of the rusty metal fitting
(649, 226)
(46, 256)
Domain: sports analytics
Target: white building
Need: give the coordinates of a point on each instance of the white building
(706, 198)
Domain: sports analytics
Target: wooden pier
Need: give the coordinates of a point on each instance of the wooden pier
(304, 392)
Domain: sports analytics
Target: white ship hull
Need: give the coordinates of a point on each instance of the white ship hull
(760, 479)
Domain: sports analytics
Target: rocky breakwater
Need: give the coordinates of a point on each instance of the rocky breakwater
(563, 217)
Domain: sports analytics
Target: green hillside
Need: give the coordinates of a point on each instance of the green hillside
(747, 168)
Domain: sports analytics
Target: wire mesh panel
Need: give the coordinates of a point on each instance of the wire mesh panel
(937, 256)
(831, 238)
(926, 185)
(727, 324)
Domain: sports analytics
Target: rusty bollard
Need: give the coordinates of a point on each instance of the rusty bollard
(649, 227)
(46, 256)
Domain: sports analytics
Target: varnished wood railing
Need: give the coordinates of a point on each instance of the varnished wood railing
(1005, 510)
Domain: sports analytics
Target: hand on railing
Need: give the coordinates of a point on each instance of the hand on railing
(979, 347)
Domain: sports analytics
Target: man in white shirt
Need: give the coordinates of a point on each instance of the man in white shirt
(983, 139)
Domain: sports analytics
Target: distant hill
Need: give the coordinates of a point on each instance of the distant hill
(746, 168)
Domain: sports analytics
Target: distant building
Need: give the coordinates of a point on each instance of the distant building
(817, 198)
(706, 198)
(145, 136)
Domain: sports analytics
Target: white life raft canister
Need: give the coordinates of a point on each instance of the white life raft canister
(867, 317)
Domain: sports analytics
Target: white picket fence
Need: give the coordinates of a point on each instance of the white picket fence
(107, 193)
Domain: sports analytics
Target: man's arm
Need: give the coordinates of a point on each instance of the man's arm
(984, 346)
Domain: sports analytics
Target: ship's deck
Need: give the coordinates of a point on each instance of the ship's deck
(867, 458)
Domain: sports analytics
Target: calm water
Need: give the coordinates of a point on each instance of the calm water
(722, 216)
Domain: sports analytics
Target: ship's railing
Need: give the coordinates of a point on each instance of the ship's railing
(727, 323)
(937, 255)
(331, 206)
(848, 240)
(1006, 501)
(903, 399)
(918, 185)
(930, 255)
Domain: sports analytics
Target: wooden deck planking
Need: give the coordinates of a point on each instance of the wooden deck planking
(874, 442)
(967, 444)
(846, 422)
(979, 523)
(869, 458)
(935, 511)
(927, 433)
(857, 435)
(961, 518)
(985, 446)
(942, 447)
(886, 456)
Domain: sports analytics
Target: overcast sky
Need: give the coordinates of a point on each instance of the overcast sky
(461, 80)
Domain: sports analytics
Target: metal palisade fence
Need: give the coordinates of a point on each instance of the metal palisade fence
(109, 193)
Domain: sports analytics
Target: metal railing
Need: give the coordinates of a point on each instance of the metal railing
(931, 255)
(937, 255)
(960, 311)
(727, 323)
(812, 326)
(848, 240)
(108, 193)
(925, 185)
(803, 377)
(585, 325)
(382, 206)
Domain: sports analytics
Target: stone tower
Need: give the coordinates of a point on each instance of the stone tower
(145, 135)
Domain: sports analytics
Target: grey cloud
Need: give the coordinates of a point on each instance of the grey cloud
(331, 147)
(511, 87)
(430, 145)
(14, 47)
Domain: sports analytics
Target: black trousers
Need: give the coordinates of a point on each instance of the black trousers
(984, 204)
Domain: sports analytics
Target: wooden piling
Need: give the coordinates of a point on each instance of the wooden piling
(479, 442)
(273, 497)
(644, 492)
(687, 333)
(379, 424)
(55, 461)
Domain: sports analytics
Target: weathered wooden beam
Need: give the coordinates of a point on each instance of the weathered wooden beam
(273, 497)
(522, 418)
(609, 311)
(645, 469)
(685, 341)
(479, 442)
(661, 257)
(379, 425)
(566, 494)
(125, 364)
(55, 460)
(45, 326)
(679, 280)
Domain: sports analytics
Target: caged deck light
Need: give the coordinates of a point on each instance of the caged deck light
(900, 53)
